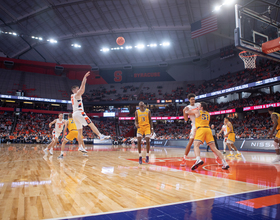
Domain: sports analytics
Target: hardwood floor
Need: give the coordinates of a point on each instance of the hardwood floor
(38, 186)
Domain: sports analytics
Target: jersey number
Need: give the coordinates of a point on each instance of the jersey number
(204, 117)
(72, 100)
(143, 119)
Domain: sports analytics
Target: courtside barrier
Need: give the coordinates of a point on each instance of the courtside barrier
(264, 145)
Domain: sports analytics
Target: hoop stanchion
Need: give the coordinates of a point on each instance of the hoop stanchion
(249, 59)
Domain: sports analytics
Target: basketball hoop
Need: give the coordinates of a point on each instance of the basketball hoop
(249, 59)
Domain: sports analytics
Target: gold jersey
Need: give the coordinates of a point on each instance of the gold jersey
(228, 129)
(71, 125)
(203, 120)
(143, 117)
(278, 119)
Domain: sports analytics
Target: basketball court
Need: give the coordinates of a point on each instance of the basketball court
(110, 184)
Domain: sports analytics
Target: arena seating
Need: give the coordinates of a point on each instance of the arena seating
(58, 87)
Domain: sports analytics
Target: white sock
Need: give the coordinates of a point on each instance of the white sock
(147, 154)
(198, 158)
(62, 152)
(140, 154)
(185, 157)
(231, 152)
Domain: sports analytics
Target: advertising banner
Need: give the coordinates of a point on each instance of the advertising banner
(160, 142)
(257, 107)
(136, 75)
(264, 145)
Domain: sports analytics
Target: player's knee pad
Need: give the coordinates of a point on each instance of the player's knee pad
(276, 145)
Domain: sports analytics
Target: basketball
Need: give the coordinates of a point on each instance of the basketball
(120, 41)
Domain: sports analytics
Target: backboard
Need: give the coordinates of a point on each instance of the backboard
(254, 28)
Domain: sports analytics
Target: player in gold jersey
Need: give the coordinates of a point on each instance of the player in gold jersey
(204, 133)
(73, 133)
(275, 117)
(230, 138)
(144, 127)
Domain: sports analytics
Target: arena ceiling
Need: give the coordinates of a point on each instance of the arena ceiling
(95, 24)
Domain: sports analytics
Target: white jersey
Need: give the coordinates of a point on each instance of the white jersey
(59, 125)
(77, 104)
(194, 107)
(224, 128)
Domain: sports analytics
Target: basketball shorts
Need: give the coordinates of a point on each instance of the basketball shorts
(204, 134)
(193, 131)
(277, 134)
(144, 130)
(72, 135)
(81, 119)
(56, 134)
(231, 138)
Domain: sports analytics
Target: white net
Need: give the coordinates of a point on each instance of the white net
(249, 59)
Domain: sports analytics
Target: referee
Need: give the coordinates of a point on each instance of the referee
(214, 136)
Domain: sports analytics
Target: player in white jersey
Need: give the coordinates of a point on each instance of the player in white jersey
(224, 129)
(59, 123)
(191, 107)
(79, 116)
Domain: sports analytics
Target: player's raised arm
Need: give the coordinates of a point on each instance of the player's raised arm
(53, 122)
(83, 85)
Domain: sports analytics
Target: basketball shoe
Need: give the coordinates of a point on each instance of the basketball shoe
(183, 164)
(238, 155)
(102, 137)
(197, 164)
(51, 151)
(60, 156)
(81, 149)
(225, 166)
(147, 159)
(230, 155)
(140, 160)
(46, 151)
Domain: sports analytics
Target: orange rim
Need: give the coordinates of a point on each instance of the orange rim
(241, 54)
